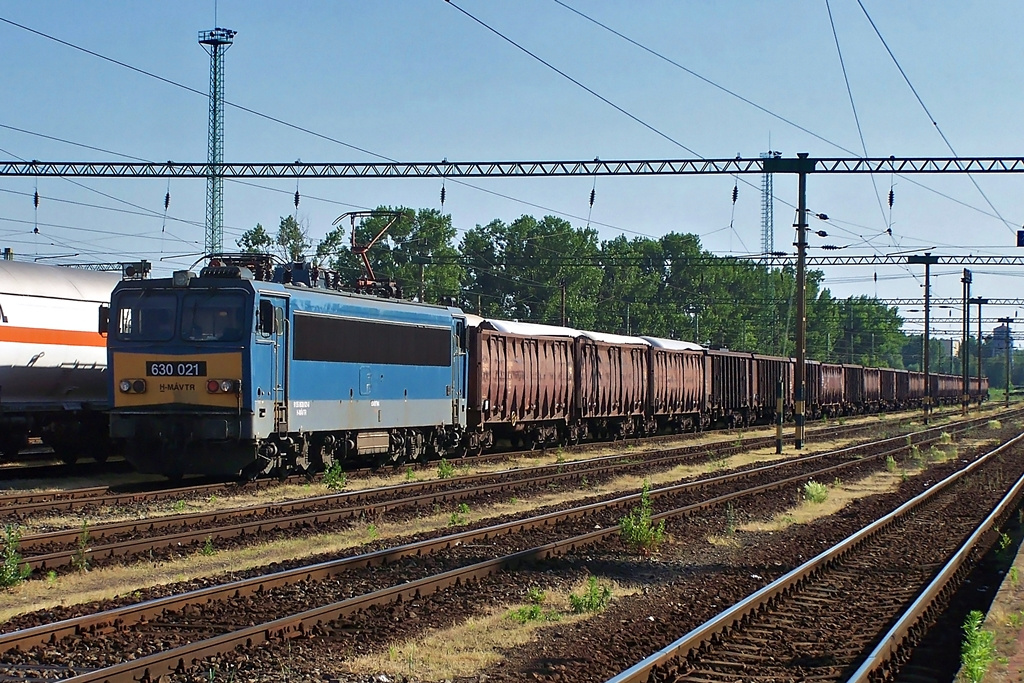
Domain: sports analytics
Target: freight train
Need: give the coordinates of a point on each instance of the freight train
(249, 369)
(53, 360)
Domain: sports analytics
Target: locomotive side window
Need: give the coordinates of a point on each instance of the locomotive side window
(344, 340)
(266, 318)
(214, 315)
(145, 316)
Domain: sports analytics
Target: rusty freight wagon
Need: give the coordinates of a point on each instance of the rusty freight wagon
(887, 388)
(611, 383)
(679, 385)
(871, 395)
(521, 383)
(729, 402)
(768, 371)
(853, 399)
(832, 390)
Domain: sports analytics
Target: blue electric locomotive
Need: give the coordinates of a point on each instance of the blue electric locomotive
(221, 373)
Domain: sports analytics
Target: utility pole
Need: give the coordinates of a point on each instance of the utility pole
(927, 259)
(803, 166)
(216, 42)
(979, 300)
(966, 279)
(1009, 345)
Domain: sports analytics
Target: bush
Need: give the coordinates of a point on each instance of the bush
(12, 571)
(594, 599)
(637, 529)
(815, 492)
(335, 478)
(445, 470)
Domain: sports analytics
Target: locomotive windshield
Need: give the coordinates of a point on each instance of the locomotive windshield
(145, 316)
(214, 315)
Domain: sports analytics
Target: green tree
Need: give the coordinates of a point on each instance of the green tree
(416, 252)
(293, 239)
(291, 242)
(255, 240)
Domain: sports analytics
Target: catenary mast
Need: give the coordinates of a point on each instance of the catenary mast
(216, 42)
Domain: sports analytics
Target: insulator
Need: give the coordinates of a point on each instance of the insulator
(296, 199)
(593, 194)
(892, 196)
(35, 231)
(35, 199)
(167, 200)
(442, 195)
(735, 193)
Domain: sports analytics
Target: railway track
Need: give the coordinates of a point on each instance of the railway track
(212, 622)
(822, 620)
(106, 542)
(15, 505)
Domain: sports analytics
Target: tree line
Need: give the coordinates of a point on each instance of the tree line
(548, 271)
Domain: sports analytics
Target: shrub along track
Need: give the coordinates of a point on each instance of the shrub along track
(156, 537)
(459, 562)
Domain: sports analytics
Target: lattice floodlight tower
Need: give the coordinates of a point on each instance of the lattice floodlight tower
(216, 42)
(768, 208)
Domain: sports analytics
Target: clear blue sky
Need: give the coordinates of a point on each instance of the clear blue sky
(421, 81)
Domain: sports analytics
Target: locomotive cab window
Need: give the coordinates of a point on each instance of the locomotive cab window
(145, 316)
(215, 315)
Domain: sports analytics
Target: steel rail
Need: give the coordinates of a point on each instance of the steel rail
(122, 617)
(520, 476)
(641, 671)
(427, 499)
(878, 662)
(182, 657)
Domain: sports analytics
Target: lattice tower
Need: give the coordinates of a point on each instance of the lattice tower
(216, 42)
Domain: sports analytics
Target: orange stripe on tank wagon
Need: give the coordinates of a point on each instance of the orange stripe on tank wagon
(34, 335)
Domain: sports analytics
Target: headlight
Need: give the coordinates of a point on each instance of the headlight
(223, 386)
(132, 386)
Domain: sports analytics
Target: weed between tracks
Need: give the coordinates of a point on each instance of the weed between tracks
(479, 641)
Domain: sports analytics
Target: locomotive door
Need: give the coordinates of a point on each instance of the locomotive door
(459, 371)
(280, 362)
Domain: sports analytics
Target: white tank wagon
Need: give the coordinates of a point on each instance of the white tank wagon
(53, 359)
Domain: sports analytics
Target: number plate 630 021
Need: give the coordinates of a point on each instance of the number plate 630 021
(180, 368)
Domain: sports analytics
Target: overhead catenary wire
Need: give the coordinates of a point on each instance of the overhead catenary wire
(288, 124)
(929, 114)
(853, 104)
(766, 110)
